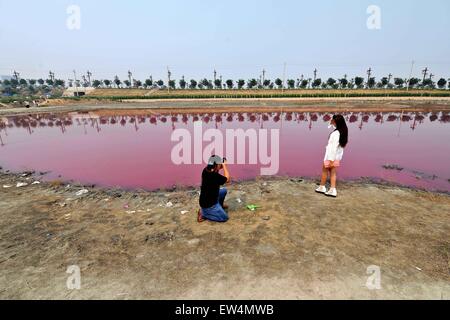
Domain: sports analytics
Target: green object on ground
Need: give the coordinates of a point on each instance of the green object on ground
(252, 207)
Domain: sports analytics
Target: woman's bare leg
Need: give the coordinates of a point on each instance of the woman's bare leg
(323, 181)
(333, 177)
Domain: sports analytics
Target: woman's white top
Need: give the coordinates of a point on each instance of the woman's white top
(334, 151)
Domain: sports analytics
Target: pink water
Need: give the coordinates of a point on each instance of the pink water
(135, 151)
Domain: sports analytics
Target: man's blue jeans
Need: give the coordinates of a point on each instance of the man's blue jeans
(216, 212)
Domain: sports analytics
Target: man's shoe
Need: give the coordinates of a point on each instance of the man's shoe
(321, 189)
(225, 207)
(200, 216)
(331, 193)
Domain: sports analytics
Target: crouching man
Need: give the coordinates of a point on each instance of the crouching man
(212, 197)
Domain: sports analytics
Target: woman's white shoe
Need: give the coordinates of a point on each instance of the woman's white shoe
(331, 193)
(321, 189)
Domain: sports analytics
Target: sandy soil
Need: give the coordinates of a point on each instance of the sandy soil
(299, 245)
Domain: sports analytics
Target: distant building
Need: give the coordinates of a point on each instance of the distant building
(77, 92)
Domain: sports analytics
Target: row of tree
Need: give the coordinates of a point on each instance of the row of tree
(317, 83)
(32, 87)
(330, 83)
(32, 82)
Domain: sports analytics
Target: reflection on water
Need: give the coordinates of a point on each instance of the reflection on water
(31, 122)
(134, 150)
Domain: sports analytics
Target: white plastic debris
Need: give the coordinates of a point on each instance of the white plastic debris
(130, 212)
(184, 212)
(418, 268)
(21, 184)
(239, 200)
(81, 192)
(36, 182)
(169, 204)
(6, 186)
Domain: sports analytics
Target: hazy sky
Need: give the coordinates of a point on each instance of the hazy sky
(238, 38)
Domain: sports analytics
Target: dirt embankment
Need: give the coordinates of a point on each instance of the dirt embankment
(242, 105)
(298, 245)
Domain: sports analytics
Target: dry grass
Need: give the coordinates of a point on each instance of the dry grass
(162, 93)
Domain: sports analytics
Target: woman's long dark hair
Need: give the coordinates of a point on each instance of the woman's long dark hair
(341, 126)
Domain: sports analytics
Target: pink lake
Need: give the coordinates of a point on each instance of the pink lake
(135, 151)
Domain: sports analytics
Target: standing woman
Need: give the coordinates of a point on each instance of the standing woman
(334, 152)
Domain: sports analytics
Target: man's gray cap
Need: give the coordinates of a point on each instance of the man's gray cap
(215, 160)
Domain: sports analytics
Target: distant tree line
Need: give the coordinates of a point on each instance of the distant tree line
(18, 85)
(300, 83)
(31, 87)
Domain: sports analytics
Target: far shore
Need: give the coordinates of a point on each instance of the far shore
(356, 104)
